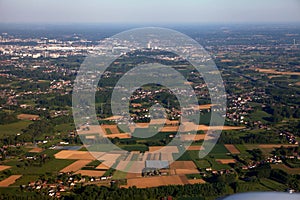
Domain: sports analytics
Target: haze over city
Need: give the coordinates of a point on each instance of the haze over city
(145, 11)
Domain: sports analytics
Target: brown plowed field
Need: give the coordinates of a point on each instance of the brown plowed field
(10, 180)
(232, 149)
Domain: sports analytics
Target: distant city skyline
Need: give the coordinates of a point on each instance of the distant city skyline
(149, 11)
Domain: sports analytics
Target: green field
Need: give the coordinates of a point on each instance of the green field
(216, 165)
(218, 151)
(259, 115)
(135, 147)
(108, 131)
(242, 149)
(192, 176)
(202, 164)
(119, 175)
(13, 128)
(25, 179)
(64, 128)
(286, 168)
(272, 185)
(51, 166)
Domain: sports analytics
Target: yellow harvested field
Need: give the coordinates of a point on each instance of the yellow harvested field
(197, 137)
(142, 125)
(119, 135)
(109, 157)
(188, 83)
(164, 121)
(170, 125)
(137, 167)
(94, 129)
(136, 105)
(77, 165)
(113, 128)
(172, 172)
(186, 171)
(286, 168)
(164, 149)
(78, 155)
(226, 60)
(105, 165)
(194, 148)
(269, 146)
(10, 180)
(103, 131)
(173, 126)
(232, 149)
(205, 106)
(169, 129)
(28, 117)
(183, 165)
(131, 166)
(226, 161)
(196, 181)
(133, 175)
(4, 167)
(172, 122)
(92, 173)
(117, 117)
(273, 71)
(190, 126)
(147, 182)
(167, 156)
(36, 150)
(224, 128)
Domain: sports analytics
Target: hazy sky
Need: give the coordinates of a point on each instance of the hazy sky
(150, 11)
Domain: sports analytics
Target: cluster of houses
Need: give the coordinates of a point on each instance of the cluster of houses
(291, 138)
(216, 172)
(55, 188)
(239, 108)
